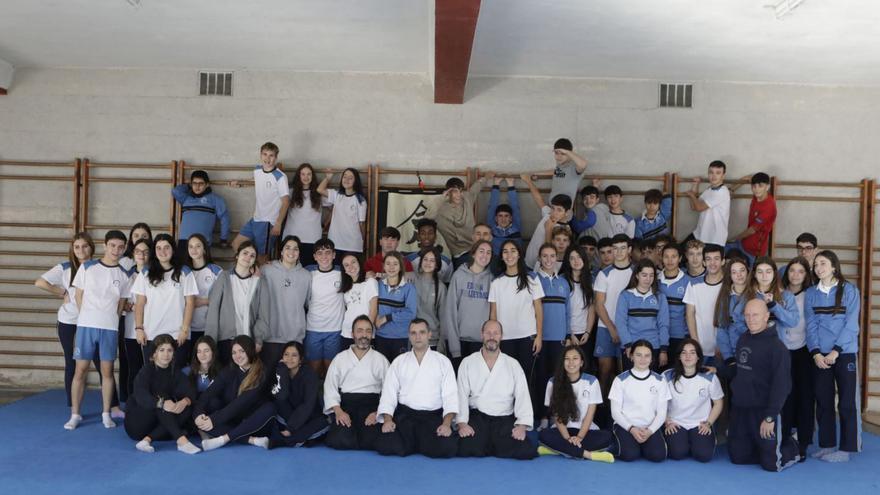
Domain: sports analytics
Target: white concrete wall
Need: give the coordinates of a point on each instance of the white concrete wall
(140, 115)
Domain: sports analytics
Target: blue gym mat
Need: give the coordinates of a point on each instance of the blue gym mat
(38, 456)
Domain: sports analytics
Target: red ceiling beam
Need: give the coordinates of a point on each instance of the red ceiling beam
(455, 22)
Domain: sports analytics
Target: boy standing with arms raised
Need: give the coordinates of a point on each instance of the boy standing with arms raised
(713, 205)
(755, 240)
(569, 169)
(272, 203)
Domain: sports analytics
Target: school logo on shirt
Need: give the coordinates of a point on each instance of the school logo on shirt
(269, 185)
(337, 284)
(203, 200)
(209, 279)
(558, 172)
(743, 358)
(653, 390)
(586, 393)
(652, 301)
(116, 283)
(680, 291)
(286, 283)
(704, 392)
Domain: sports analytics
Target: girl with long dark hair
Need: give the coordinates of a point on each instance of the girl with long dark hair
(166, 294)
(304, 217)
(696, 401)
(515, 301)
(571, 397)
(348, 222)
(831, 310)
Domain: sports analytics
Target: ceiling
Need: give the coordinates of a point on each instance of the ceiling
(820, 42)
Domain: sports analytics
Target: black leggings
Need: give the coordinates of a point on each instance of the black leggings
(358, 436)
(595, 440)
(313, 429)
(155, 423)
(257, 424)
(690, 442)
(391, 348)
(842, 375)
(628, 449)
(135, 356)
(799, 411)
(545, 367)
(67, 336)
(271, 354)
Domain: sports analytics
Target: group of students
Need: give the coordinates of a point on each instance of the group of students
(557, 304)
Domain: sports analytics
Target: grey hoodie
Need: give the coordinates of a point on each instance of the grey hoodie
(426, 310)
(467, 307)
(221, 310)
(288, 294)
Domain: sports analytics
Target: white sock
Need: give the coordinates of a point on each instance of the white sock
(837, 456)
(73, 422)
(189, 448)
(259, 441)
(144, 446)
(213, 443)
(117, 414)
(107, 420)
(543, 424)
(823, 452)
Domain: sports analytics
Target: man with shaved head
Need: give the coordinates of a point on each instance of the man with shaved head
(495, 409)
(759, 389)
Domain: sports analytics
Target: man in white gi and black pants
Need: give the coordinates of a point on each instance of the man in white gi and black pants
(493, 395)
(419, 401)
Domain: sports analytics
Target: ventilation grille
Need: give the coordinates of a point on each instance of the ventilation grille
(676, 95)
(215, 83)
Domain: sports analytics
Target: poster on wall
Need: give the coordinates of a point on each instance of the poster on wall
(402, 209)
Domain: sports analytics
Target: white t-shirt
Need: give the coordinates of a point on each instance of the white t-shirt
(243, 290)
(357, 302)
(345, 229)
(712, 224)
(132, 299)
(326, 304)
(269, 187)
(691, 398)
(205, 277)
(515, 310)
(579, 312)
(703, 296)
(103, 286)
(586, 391)
(537, 238)
(612, 280)
(59, 276)
(166, 302)
(304, 222)
(638, 401)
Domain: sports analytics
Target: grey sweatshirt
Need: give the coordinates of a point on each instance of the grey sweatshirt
(288, 294)
(221, 310)
(428, 311)
(467, 307)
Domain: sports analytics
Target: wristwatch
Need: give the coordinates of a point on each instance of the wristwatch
(769, 419)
